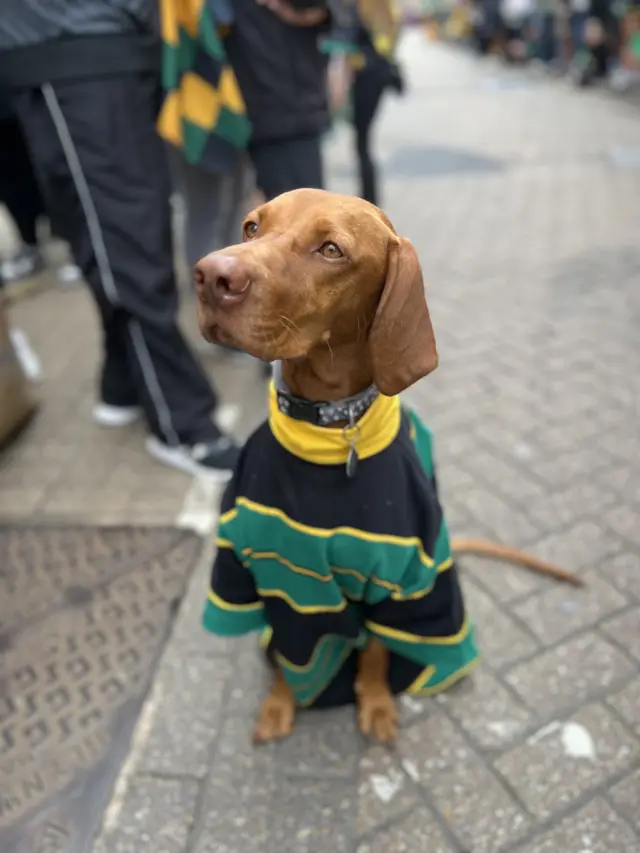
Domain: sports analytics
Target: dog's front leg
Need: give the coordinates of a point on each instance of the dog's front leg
(377, 712)
(275, 720)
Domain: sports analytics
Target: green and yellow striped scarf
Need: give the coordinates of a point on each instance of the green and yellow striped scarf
(203, 113)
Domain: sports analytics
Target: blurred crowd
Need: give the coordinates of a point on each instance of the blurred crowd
(589, 40)
(108, 111)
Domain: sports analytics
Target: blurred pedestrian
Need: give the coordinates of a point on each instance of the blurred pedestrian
(544, 31)
(203, 118)
(375, 71)
(20, 193)
(87, 82)
(273, 48)
(578, 14)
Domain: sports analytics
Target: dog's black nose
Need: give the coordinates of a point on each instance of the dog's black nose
(223, 278)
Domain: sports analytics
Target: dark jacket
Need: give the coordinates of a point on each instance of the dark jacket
(44, 42)
(6, 107)
(281, 72)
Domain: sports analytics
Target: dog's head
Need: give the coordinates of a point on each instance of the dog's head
(319, 271)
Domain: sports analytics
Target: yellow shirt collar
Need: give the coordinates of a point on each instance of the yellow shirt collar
(375, 431)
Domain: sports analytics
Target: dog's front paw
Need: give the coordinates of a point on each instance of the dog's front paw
(275, 720)
(378, 716)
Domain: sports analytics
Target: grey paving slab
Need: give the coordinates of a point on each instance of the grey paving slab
(567, 759)
(625, 630)
(504, 641)
(190, 696)
(490, 713)
(626, 796)
(156, 816)
(561, 610)
(479, 809)
(627, 703)
(418, 831)
(596, 828)
(570, 673)
(384, 790)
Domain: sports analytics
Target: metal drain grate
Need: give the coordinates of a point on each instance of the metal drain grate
(84, 613)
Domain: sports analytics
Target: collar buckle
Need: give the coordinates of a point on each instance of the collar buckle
(300, 409)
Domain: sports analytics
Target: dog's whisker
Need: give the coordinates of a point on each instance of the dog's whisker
(330, 350)
(291, 327)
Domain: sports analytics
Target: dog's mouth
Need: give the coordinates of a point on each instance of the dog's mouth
(265, 344)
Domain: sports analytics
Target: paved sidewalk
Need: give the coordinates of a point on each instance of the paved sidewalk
(524, 201)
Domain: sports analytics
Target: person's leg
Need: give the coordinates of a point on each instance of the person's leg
(18, 186)
(101, 159)
(367, 93)
(240, 188)
(288, 164)
(20, 193)
(577, 24)
(203, 194)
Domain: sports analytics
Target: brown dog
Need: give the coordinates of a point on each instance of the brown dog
(323, 285)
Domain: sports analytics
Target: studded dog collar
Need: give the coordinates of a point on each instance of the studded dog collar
(349, 410)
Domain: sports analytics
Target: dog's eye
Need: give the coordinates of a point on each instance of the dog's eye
(330, 251)
(250, 230)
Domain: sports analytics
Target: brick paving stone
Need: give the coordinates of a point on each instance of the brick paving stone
(505, 477)
(625, 520)
(502, 640)
(582, 546)
(503, 582)
(412, 708)
(625, 481)
(570, 673)
(627, 703)
(235, 814)
(594, 829)
(189, 703)
(478, 808)
(313, 816)
(623, 571)
(487, 711)
(323, 744)
(626, 797)
(561, 610)
(419, 831)
(505, 521)
(625, 630)
(567, 759)
(156, 816)
(384, 790)
(582, 499)
(580, 463)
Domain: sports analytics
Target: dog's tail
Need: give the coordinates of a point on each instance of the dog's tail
(495, 551)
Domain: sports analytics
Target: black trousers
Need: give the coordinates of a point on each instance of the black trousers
(287, 164)
(105, 179)
(368, 87)
(19, 189)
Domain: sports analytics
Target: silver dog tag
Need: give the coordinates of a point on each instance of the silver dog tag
(352, 461)
(352, 453)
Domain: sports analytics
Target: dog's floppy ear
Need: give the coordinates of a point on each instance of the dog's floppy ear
(401, 339)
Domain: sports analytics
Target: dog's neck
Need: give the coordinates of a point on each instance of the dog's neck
(329, 374)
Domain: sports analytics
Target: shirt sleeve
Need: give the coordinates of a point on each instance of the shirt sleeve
(233, 605)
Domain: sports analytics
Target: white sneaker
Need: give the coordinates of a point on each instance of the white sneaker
(106, 415)
(27, 261)
(69, 274)
(215, 460)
